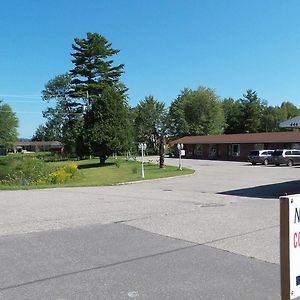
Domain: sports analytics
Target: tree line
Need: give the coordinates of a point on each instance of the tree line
(89, 109)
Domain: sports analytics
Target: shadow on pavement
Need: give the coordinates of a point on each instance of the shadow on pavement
(270, 191)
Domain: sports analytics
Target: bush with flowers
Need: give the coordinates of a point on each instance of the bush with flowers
(63, 174)
(34, 171)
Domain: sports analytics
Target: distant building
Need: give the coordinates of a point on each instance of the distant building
(53, 146)
(291, 123)
(235, 146)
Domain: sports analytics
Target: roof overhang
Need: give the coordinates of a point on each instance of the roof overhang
(245, 138)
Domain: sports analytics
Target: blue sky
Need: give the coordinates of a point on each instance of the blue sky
(166, 45)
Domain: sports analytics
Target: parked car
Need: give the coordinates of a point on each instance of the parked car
(260, 157)
(287, 157)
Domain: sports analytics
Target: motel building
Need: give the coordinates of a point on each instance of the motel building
(235, 147)
(34, 146)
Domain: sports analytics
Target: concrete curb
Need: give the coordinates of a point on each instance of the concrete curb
(155, 179)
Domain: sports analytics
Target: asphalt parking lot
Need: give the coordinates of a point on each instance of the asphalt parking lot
(211, 235)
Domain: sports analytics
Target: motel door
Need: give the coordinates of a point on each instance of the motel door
(213, 151)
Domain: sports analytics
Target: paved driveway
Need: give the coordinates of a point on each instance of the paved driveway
(229, 206)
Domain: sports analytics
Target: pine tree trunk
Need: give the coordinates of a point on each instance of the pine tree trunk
(102, 159)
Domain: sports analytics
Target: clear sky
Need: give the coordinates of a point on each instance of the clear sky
(166, 45)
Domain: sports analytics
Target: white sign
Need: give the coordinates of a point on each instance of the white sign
(182, 152)
(179, 146)
(294, 246)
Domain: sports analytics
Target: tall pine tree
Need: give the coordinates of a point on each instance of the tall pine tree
(252, 111)
(93, 67)
(96, 85)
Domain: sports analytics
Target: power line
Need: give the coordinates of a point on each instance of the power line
(20, 112)
(38, 112)
(21, 96)
(22, 101)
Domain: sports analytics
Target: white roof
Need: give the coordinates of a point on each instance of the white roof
(291, 123)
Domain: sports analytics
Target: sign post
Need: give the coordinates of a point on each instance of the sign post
(180, 149)
(290, 246)
(142, 147)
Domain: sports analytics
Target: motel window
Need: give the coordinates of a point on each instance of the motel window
(235, 149)
(199, 150)
(296, 146)
(259, 147)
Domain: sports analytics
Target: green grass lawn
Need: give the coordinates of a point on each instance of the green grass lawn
(92, 174)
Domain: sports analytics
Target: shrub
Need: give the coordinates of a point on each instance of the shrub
(71, 168)
(135, 169)
(59, 176)
(51, 156)
(29, 170)
(23, 171)
(63, 174)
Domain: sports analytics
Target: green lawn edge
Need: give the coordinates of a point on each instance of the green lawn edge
(91, 174)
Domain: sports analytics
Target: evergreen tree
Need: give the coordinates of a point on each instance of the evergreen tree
(93, 67)
(96, 85)
(107, 126)
(252, 109)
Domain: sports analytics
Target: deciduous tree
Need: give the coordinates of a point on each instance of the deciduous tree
(198, 112)
(233, 116)
(149, 122)
(65, 118)
(289, 110)
(8, 126)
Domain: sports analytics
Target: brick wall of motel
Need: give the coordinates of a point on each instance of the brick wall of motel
(223, 150)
